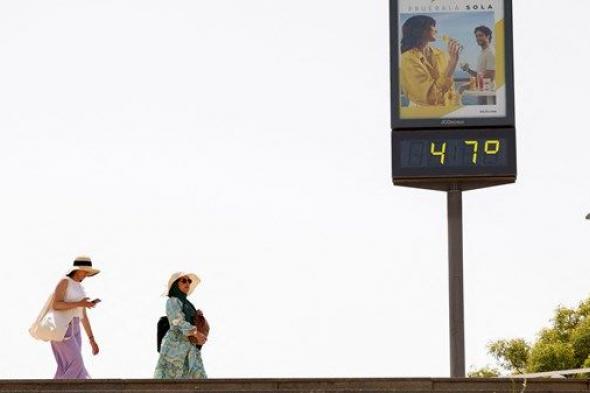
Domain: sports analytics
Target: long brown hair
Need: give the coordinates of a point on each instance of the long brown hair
(413, 31)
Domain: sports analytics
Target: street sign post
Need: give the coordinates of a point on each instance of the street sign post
(452, 113)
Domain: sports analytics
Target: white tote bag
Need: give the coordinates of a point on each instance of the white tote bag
(48, 325)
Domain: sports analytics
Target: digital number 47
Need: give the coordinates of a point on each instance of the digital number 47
(491, 147)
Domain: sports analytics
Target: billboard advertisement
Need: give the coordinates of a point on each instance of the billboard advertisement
(451, 63)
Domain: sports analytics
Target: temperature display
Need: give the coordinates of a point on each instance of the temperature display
(454, 153)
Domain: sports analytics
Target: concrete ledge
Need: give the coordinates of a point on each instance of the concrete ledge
(399, 385)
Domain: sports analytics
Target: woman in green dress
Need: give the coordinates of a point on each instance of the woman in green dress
(179, 358)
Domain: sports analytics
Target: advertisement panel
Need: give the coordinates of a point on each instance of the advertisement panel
(451, 63)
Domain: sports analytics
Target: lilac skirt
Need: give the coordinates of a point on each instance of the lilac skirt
(68, 354)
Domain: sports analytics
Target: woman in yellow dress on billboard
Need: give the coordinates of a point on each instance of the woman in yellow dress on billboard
(426, 72)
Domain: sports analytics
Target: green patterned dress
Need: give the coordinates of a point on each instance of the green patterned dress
(179, 359)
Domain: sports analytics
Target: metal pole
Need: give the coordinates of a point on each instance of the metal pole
(456, 319)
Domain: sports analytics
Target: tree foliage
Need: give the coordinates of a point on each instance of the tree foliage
(485, 372)
(511, 354)
(565, 344)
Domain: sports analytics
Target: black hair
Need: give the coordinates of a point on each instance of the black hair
(413, 31)
(71, 274)
(484, 29)
(175, 291)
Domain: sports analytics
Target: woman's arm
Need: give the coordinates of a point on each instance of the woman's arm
(88, 329)
(454, 50)
(419, 84)
(59, 295)
(177, 319)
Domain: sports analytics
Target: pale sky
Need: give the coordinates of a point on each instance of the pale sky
(249, 141)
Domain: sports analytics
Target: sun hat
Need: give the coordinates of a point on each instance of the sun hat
(83, 263)
(194, 278)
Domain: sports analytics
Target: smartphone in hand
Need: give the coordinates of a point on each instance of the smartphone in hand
(95, 301)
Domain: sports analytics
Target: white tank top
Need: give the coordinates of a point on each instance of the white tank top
(74, 292)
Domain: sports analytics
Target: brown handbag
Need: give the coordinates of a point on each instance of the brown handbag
(202, 327)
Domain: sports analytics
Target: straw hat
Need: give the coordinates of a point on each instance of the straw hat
(194, 278)
(83, 263)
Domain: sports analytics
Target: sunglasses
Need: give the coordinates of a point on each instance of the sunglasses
(185, 281)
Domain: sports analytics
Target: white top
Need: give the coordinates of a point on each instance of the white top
(74, 293)
(51, 325)
(486, 60)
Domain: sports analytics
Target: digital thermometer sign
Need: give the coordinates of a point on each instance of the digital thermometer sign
(452, 94)
(454, 153)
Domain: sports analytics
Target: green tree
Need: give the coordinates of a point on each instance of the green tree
(550, 356)
(485, 372)
(563, 345)
(580, 339)
(511, 354)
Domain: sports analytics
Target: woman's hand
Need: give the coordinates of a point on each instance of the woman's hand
(193, 332)
(454, 50)
(94, 346)
(201, 338)
(86, 303)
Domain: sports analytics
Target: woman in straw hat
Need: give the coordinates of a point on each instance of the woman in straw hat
(179, 358)
(59, 321)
